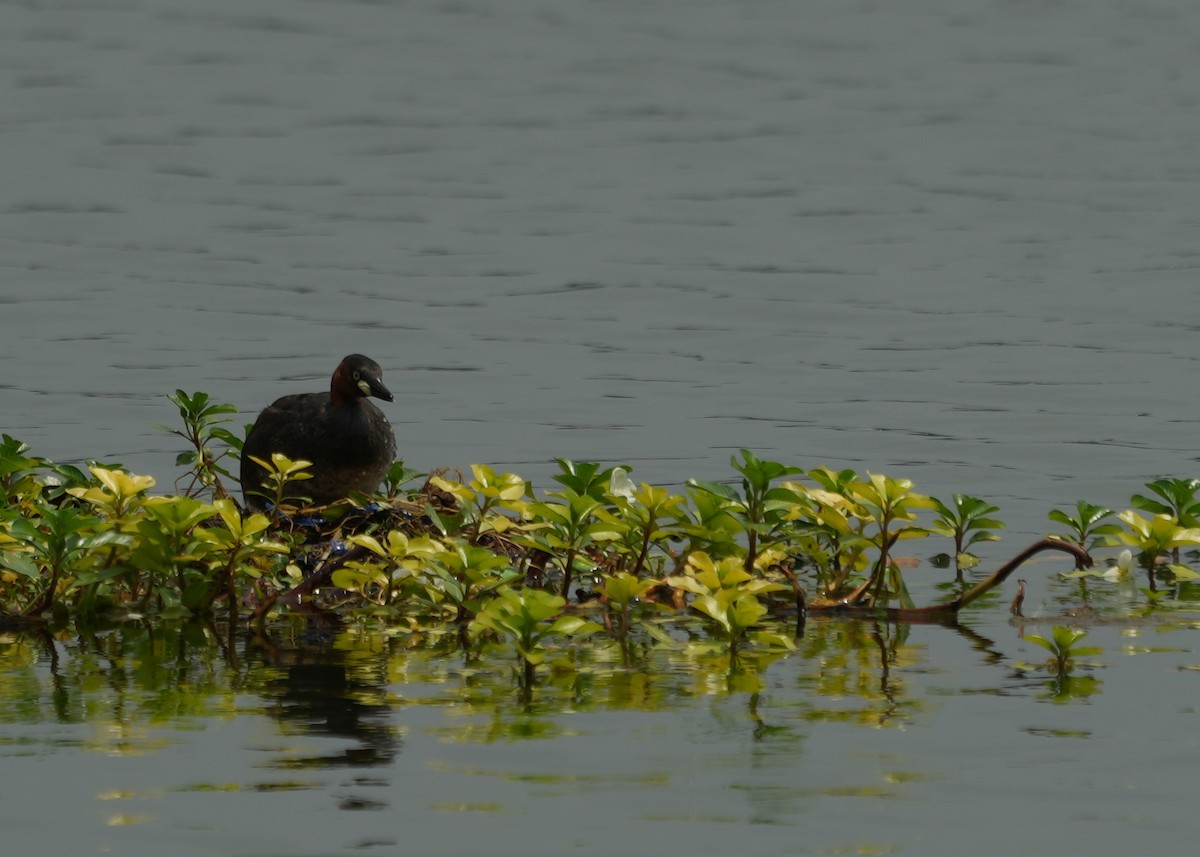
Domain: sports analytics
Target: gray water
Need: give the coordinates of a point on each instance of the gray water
(952, 241)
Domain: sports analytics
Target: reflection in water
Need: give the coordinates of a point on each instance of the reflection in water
(860, 673)
(316, 679)
(121, 680)
(321, 679)
(681, 738)
(322, 682)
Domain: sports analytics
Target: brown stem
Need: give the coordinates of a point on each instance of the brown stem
(637, 566)
(885, 559)
(568, 567)
(46, 599)
(857, 595)
(321, 576)
(752, 551)
(231, 592)
(1018, 600)
(947, 610)
(801, 606)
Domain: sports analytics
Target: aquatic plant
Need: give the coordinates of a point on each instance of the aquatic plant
(236, 544)
(832, 539)
(760, 510)
(621, 591)
(481, 503)
(727, 594)
(890, 506)
(392, 562)
(1118, 570)
(203, 423)
(1063, 648)
(966, 521)
(1178, 501)
(644, 520)
(486, 557)
(1156, 538)
(453, 544)
(564, 528)
(50, 550)
(281, 474)
(1085, 527)
(529, 618)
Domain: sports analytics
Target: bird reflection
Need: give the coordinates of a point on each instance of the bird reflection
(324, 690)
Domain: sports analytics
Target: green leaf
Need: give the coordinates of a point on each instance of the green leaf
(1039, 640)
(197, 595)
(718, 489)
(1182, 572)
(534, 656)
(20, 563)
(746, 611)
(574, 626)
(714, 609)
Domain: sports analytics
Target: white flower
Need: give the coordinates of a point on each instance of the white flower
(620, 485)
(1121, 570)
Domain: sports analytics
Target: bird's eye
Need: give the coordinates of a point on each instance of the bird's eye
(357, 376)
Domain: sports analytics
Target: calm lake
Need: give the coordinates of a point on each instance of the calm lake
(949, 241)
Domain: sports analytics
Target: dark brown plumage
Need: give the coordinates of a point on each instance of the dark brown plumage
(347, 438)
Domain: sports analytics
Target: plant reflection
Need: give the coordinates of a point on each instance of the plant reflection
(315, 676)
(858, 673)
(320, 680)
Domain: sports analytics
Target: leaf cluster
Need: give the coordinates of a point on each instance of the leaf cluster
(489, 557)
(1154, 543)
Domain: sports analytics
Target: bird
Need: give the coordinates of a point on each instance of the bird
(347, 439)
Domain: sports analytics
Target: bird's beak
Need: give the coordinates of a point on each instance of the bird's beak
(374, 387)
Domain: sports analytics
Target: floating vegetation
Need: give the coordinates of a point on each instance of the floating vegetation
(483, 559)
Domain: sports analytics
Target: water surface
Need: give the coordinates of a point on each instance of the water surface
(949, 241)
(875, 739)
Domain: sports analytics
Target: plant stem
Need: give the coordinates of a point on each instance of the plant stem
(568, 567)
(947, 610)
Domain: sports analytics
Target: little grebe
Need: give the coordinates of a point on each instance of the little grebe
(348, 440)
